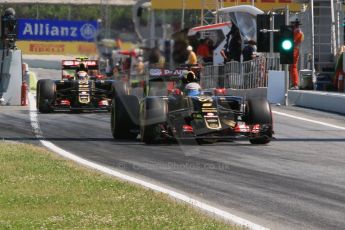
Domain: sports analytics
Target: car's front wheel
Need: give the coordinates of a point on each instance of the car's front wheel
(154, 115)
(45, 94)
(124, 117)
(258, 112)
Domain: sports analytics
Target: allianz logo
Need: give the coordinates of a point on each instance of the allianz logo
(45, 29)
(42, 29)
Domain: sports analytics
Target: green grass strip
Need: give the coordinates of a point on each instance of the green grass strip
(39, 190)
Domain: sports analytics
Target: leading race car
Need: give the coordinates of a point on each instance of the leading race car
(81, 88)
(167, 113)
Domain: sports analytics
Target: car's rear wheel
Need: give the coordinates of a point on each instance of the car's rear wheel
(45, 95)
(154, 115)
(258, 112)
(124, 117)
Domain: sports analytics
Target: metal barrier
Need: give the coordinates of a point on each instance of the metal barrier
(254, 73)
(209, 77)
(233, 75)
(239, 75)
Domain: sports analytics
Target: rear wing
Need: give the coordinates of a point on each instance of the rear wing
(73, 64)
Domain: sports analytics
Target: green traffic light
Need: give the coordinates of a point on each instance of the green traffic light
(287, 44)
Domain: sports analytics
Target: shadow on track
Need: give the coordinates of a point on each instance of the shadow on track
(117, 142)
(166, 143)
(309, 140)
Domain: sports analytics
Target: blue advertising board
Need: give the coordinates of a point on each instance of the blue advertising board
(56, 30)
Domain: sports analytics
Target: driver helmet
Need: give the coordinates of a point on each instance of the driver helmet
(191, 77)
(82, 75)
(188, 77)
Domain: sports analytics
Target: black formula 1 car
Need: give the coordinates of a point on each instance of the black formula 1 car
(206, 118)
(81, 88)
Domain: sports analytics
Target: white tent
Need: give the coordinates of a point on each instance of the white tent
(244, 17)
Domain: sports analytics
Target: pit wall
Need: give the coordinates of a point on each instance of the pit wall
(11, 76)
(325, 101)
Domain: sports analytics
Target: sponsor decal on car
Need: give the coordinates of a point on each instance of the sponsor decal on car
(155, 72)
(166, 72)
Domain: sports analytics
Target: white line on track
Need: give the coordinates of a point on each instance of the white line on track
(216, 211)
(309, 120)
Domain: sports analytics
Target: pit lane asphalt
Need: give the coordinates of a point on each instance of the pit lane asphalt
(295, 182)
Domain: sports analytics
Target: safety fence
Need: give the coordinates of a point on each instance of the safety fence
(239, 75)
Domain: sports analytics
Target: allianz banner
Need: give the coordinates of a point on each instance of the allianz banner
(56, 30)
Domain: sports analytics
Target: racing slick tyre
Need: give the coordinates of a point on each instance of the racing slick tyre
(154, 116)
(124, 117)
(258, 112)
(120, 88)
(45, 95)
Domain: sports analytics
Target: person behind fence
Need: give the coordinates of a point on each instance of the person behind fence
(232, 48)
(249, 52)
(298, 38)
(192, 60)
(203, 51)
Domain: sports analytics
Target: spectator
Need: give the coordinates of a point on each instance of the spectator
(249, 52)
(192, 60)
(232, 49)
(203, 51)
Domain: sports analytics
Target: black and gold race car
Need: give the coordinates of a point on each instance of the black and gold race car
(81, 88)
(166, 113)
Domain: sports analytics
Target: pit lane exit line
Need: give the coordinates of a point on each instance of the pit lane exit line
(309, 120)
(177, 195)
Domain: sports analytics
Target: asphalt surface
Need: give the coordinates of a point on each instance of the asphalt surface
(295, 182)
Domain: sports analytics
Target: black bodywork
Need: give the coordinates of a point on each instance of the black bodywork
(76, 93)
(81, 94)
(205, 118)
